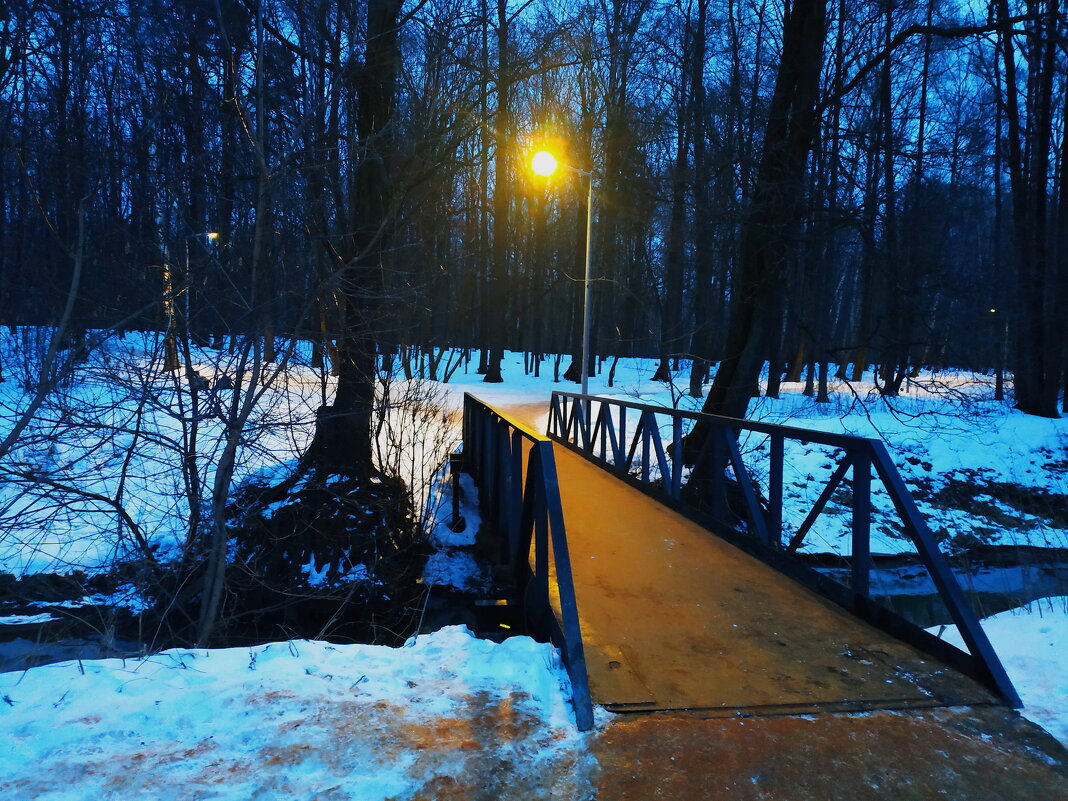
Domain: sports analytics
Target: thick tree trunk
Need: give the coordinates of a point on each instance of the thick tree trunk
(775, 212)
(704, 317)
(343, 431)
(1036, 371)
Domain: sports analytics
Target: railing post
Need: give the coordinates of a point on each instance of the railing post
(515, 492)
(603, 423)
(465, 427)
(587, 413)
(821, 502)
(971, 631)
(717, 453)
(485, 449)
(676, 458)
(646, 441)
(541, 527)
(488, 471)
(569, 618)
(775, 484)
(745, 483)
(504, 470)
(861, 563)
(456, 466)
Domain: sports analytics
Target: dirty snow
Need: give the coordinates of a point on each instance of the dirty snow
(295, 719)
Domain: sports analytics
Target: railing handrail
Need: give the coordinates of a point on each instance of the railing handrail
(790, 432)
(863, 456)
(527, 432)
(524, 510)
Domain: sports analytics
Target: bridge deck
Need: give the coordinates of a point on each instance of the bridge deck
(673, 617)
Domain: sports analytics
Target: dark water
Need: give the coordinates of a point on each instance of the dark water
(21, 653)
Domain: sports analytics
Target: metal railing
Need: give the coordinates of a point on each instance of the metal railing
(598, 429)
(519, 498)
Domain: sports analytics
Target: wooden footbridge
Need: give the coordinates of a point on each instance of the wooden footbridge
(669, 594)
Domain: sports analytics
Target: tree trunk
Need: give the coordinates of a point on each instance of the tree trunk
(343, 431)
(770, 226)
(502, 233)
(1036, 372)
(704, 246)
(671, 297)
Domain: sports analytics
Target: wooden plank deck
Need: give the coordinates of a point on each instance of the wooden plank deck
(673, 617)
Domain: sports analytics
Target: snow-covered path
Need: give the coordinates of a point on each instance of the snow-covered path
(293, 720)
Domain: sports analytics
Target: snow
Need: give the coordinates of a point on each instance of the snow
(304, 719)
(296, 719)
(944, 427)
(454, 563)
(24, 620)
(454, 569)
(114, 438)
(315, 578)
(1032, 643)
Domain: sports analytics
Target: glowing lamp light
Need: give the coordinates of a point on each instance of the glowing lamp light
(543, 163)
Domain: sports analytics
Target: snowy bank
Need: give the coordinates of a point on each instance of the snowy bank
(1031, 643)
(296, 719)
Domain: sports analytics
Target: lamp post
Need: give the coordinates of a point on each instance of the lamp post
(170, 354)
(170, 346)
(545, 164)
(1001, 357)
(210, 236)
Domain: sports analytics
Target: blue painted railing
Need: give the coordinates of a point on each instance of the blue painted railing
(627, 438)
(519, 499)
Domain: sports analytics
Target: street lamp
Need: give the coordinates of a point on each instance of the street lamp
(170, 358)
(545, 164)
(170, 346)
(210, 236)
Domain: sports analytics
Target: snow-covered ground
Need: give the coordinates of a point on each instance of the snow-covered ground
(1033, 645)
(293, 720)
(307, 719)
(106, 452)
(953, 444)
(104, 460)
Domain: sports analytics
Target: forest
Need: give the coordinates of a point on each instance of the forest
(768, 191)
(817, 186)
